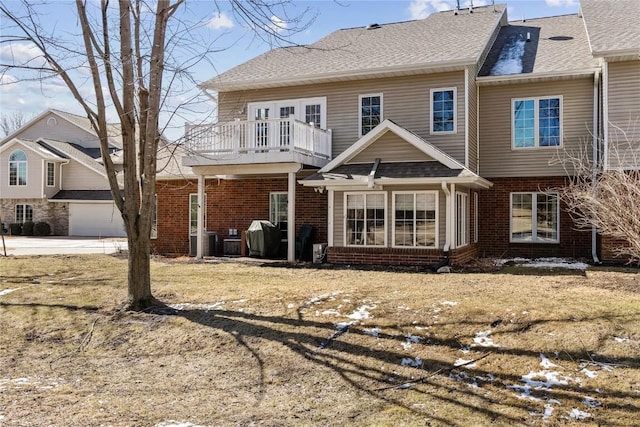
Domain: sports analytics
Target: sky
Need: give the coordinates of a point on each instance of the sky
(233, 41)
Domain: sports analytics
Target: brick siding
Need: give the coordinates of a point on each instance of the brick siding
(493, 223)
(230, 204)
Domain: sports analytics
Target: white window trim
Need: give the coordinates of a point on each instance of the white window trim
(271, 194)
(26, 170)
(536, 124)
(298, 104)
(368, 95)
(393, 227)
(465, 223)
(46, 168)
(455, 111)
(386, 217)
(204, 211)
(534, 225)
(24, 212)
(154, 219)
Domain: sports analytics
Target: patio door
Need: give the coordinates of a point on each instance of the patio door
(285, 127)
(261, 129)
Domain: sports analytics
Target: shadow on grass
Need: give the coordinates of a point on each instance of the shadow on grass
(87, 308)
(360, 366)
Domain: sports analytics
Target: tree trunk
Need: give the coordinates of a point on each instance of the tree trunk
(139, 296)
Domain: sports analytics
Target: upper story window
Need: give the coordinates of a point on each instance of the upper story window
(443, 110)
(51, 174)
(370, 112)
(537, 122)
(18, 168)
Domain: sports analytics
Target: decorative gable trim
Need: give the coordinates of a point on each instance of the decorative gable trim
(389, 126)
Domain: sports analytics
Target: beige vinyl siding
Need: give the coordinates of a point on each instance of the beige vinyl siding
(498, 159)
(76, 176)
(406, 101)
(472, 129)
(624, 113)
(33, 189)
(390, 148)
(339, 214)
(62, 131)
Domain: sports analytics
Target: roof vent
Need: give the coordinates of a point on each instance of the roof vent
(372, 26)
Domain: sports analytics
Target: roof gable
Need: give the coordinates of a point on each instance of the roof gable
(612, 27)
(419, 145)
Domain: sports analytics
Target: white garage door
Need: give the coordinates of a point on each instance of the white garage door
(95, 219)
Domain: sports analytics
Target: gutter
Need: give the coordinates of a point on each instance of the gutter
(518, 78)
(594, 154)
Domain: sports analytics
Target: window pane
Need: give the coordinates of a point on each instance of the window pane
(443, 111)
(523, 123)
(549, 122)
(521, 212)
(370, 112)
(404, 220)
(547, 217)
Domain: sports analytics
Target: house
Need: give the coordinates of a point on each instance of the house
(405, 143)
(55, 175)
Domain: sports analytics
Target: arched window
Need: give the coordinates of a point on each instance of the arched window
(18, 168)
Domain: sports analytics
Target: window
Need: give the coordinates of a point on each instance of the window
(443, 110)
(535, 217)
(462, 212)
(154, 218)
(370, 112)
(313, 115)
(278, 211)
(18, 168)
(51, 174)
(193, 214)
(415, 219)
(24, 213)
(285, 127)
(537, 122)
(365, 219)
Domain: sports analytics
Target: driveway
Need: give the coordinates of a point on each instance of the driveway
(55, 245)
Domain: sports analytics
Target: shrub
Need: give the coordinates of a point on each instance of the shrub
(15, 228)
(27, 228)
(41, 229)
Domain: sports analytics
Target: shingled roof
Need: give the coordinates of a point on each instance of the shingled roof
(613, 26)
(556, 44)
(440, 42)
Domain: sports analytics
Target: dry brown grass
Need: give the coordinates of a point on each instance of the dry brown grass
(250, 345)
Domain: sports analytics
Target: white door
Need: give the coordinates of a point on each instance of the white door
(95, 219)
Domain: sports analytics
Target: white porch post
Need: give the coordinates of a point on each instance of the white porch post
(454, 217)
(200, 233)
(291, 217)
(330, 219)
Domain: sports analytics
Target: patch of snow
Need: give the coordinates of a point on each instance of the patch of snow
(546, 363)
(541, 380)
(449, 303)
(411, 339)
(319, 298)
(374, 332)
(404, 386)
(362, 312)
(8, 291)
(331, 312)
(341, 326)
(172, 423)
(501, 262)
(548, 412)
(466, 349)
(577, 414)
(482, 340)
(510, 59)
(291, 305)
(591, 402)
(415, 363)
(464, 363)
(618, 339)
(552, 262)
(206, 307)
(588, 373)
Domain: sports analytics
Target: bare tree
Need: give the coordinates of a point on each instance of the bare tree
(606, 194)
(10, 123)
(127, 51)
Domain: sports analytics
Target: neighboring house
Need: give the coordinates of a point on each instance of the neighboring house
(54, 174)
(400, 143)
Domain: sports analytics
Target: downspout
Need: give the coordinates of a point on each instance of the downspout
(594, 153)
(447, 241)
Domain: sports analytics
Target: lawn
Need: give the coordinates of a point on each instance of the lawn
(268, 345)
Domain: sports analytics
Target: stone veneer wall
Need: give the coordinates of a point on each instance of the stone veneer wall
(55, 214)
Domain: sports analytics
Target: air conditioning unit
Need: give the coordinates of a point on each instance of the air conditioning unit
(319, 252)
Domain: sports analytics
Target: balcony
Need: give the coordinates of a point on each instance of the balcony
(257, 142)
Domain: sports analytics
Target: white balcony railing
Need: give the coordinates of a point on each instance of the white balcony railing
(259, 136)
